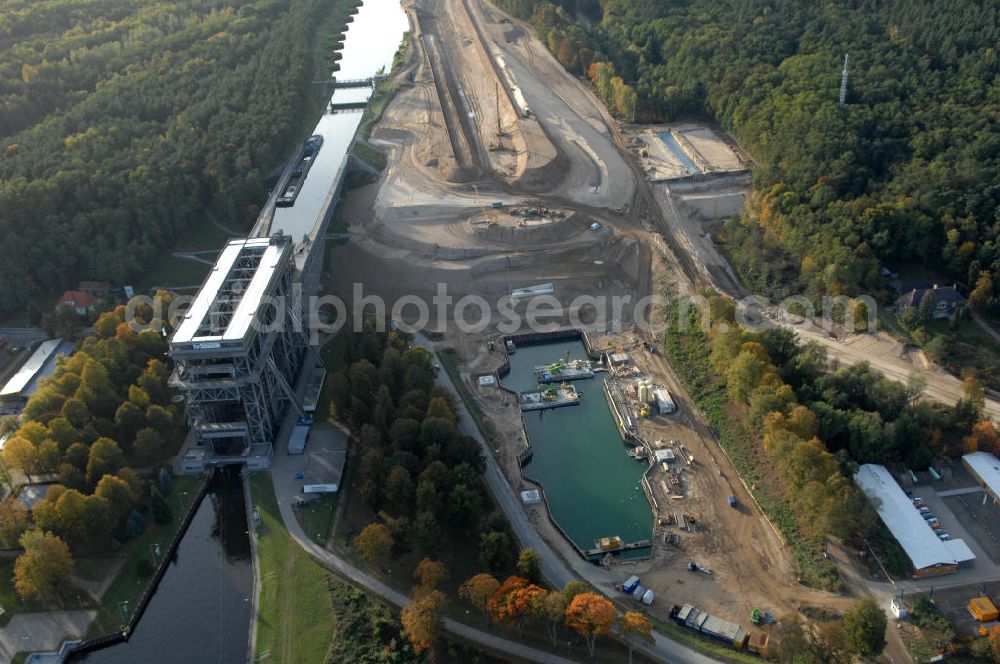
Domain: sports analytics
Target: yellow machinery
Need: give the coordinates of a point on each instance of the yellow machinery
(983, 609)
(491, 219)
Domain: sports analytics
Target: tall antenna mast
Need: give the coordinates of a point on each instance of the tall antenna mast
(843, 81)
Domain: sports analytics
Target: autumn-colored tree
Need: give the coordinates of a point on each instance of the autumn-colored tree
(509, 585)
(831, 639)
(551, 607)
(590, 615)
(44, 567)
(14, 520)
(422, 620)
(983, 437)
(982, 295)
(429, 574)
(373, 543)
(634, 626)
(478, 590)
(973, 394)
(994, 639)
(529, 565)
(516, 602)
(438, 407)
(19, 453)
(105, 459)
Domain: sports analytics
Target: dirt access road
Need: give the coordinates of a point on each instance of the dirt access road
(885, 353)
(411, 232)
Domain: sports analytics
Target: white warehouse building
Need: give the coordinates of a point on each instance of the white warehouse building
(929, 555)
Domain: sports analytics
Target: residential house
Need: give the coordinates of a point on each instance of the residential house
(81, 302)
(933, 301)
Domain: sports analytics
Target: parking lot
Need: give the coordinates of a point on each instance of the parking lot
(953, 604)
(960, 523)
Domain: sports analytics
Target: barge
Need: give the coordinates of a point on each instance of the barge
(615, 543)
(301, 170)
(564, 371)
(549, 396)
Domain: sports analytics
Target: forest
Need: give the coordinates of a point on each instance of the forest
(104, 411)
(122, 122)
(906, 173)
(798, 433)
(416, 470)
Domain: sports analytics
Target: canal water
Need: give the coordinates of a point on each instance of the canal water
(591, 484)
(668, 139)
(371, 41)
(200, 612)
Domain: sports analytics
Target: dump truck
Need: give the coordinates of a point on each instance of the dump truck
(983, 609)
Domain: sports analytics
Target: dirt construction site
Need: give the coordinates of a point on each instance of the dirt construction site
(505, 172)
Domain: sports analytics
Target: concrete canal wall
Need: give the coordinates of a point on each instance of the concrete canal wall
(525, 454)
(161, 569)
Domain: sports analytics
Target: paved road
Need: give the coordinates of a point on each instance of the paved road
(41, 631)
(22, 336)
(554, 568)
(285, 489)
(983, 323)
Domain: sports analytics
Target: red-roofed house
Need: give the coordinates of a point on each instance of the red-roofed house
(81, 302)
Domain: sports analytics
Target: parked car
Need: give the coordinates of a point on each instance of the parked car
(924, 510)
(944, 537)
(927, 516)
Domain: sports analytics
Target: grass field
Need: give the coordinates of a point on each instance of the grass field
(370, 155)
(449, 360)
(317, 518)
(296, 623)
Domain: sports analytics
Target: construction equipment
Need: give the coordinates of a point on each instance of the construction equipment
(983, 609)
(491, 219)
(695, 567)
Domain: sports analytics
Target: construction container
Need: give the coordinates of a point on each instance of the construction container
(664, 403)
(983, 609)
(724, 630)
(757, 643)
(647, 597)
(639, 591)
(989, 629)
(630, 585)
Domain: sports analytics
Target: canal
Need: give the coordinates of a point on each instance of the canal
(201, 610)
(591, 484)
(371, 41)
